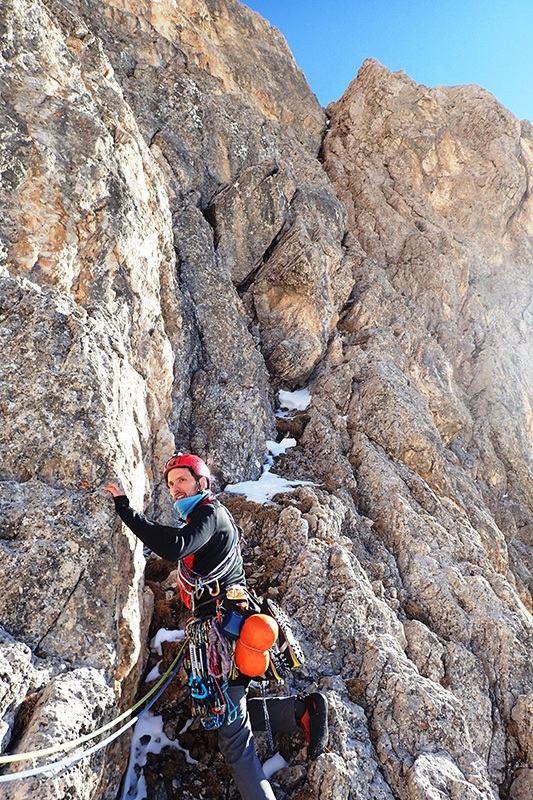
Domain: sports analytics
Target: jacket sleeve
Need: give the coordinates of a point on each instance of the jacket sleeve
(169, 542)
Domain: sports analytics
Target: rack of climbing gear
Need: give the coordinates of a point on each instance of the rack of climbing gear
(210, 667)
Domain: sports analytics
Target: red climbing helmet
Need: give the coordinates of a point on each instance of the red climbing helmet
(193, 463)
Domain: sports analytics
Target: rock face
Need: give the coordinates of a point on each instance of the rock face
(184, 232)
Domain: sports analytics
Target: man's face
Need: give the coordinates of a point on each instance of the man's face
(182, 483)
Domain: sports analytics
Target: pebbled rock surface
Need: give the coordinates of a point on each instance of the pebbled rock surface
(183, 233)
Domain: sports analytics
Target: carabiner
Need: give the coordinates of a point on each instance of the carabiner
(198, 689)
(199, 589)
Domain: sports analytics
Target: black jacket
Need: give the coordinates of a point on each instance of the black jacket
(208, 536)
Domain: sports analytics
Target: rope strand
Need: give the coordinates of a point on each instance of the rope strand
(163, 682)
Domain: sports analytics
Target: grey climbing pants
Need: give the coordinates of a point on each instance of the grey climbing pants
(236, 740)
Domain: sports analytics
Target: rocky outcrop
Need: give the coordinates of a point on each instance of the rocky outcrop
(184, 232)
(441, 202)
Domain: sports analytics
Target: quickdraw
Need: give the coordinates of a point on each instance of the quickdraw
(210, 658)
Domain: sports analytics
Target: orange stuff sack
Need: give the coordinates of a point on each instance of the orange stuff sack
(258, 634)
(249, 661)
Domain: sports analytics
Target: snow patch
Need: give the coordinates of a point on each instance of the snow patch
(164, 635)
(273, 764)
(148, 737)
(262, 490)
(293, 401)
(278, 448)
(154, 674)
(269, 484)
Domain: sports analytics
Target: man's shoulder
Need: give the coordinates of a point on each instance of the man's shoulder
(208, 506)
(212, 507)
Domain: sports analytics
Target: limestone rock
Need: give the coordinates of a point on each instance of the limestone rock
(70, 705)
(249, 214)
(439, 198)
(424, 649)
(522, 785)
(20, 681)
(182, 236)
(86, 361)
(229, 373)
(301, 287)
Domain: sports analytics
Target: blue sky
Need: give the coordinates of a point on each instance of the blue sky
(435, 41)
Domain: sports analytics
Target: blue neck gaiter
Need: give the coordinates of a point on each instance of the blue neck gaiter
(186, 504)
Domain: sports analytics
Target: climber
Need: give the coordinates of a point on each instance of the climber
(207, 550)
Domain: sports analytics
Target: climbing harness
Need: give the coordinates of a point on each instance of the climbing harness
(193, 585)
(158, 689)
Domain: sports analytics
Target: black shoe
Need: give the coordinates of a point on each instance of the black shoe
(314, 723)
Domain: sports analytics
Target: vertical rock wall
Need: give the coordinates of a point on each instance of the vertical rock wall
(87, 370)
(123, 334)
(178, 242)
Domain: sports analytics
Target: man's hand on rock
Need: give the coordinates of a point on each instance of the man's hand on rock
(115, 489)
